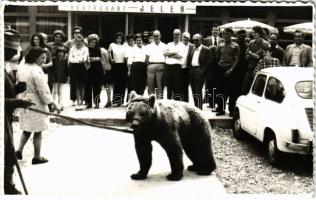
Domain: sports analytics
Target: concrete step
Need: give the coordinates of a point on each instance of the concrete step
(116, 117)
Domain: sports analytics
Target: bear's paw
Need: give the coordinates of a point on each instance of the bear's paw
(138, 176)
(174, 177)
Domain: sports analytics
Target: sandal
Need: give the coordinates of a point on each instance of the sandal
(36, 161)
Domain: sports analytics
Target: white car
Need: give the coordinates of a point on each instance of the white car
(278, 111)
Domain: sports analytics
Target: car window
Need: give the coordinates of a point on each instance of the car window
(275, 90)
(259, 84)
(304, 89)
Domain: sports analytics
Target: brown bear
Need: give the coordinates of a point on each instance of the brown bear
(175, 126)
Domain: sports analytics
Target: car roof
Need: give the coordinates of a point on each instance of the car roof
(290, 73)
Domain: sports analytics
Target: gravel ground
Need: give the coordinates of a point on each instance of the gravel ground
(243, 168)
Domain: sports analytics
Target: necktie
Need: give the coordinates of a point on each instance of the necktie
(215, 41)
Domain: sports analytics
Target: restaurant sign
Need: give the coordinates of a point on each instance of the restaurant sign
(131, 7)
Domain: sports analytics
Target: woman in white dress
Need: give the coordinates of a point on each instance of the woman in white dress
(38, 92)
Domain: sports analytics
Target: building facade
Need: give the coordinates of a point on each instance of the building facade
(107, 18)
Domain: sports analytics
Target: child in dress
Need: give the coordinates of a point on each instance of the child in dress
(60, 76)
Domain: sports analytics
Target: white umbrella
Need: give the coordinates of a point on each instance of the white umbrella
(247, 25)
(306, 27)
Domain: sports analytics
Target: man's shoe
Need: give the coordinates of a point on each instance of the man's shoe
(41, 160)
(19, 155)
(10, 189)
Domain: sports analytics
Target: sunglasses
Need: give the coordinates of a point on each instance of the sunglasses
(76, 32)
(195, 40)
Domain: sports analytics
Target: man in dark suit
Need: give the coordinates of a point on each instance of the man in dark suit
(214, 39)
(298, 54)
(199, 61)
(11, 54)
(276, 50)
(188, 50)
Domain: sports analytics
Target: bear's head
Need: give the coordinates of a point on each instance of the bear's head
(140, 110)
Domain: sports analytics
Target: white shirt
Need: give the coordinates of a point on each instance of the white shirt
(118, 51)
(195, 58)
(78, 55)
(295, 60)
(137, 55)
(155, 52)
(184, 59)
(175, 48)
(128, 49)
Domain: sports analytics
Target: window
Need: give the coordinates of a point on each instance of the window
(259, 84)
(207, 11)
(249, 12)
(14, 9)
(275, 90)
(21, 25)
(49, 24)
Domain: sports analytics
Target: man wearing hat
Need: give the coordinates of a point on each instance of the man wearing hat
(11, 54)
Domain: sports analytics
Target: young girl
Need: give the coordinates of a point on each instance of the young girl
(60, 75)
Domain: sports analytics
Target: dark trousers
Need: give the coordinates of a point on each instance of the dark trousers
(237, 81)
(185, 74)
(197, 79)
(138, 77)
(224, 90)
(174, 82)
(92, 90)
(73, 96)
(9, 154)
(119, 73)
(210, 92)
(248, 78)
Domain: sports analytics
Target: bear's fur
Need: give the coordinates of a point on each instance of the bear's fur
(175, 126)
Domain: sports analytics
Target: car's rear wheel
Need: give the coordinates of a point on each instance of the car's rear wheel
(238, 132)
(273, 153)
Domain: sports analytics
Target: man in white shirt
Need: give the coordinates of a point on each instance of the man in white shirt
(137, 68)
(185, 70)
(173, 72)
(156, 65)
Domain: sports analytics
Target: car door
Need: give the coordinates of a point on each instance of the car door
(272, 113)
(254, 97)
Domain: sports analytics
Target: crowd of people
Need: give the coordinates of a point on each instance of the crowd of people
(223, 66)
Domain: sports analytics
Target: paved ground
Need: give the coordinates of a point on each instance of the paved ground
(85, 161)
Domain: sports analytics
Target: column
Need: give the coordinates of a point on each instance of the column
(69, 22)
(186, 23)
(126, 23)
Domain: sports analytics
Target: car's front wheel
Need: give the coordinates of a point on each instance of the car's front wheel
(238, 132)
(273, 153)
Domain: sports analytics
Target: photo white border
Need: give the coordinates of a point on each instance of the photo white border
(213, 3)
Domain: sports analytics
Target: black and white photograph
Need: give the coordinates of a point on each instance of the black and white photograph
(147, 99)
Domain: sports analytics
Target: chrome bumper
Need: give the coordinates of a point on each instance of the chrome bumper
(302, 148)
